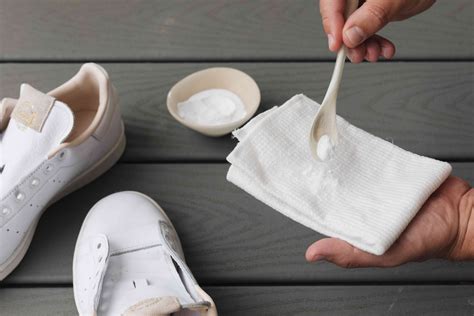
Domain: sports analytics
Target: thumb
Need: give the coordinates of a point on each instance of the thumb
(345, 255)
(366, 21)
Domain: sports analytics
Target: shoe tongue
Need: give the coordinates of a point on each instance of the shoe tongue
(37, 125)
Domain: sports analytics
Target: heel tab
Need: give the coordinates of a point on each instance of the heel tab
(95, 68)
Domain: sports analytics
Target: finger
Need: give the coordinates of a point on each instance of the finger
(453, 187)
(345, 255)
(416, 8)
(366, 21)
(373, 50)
(387, 47)
(332, 14)
(356, 55)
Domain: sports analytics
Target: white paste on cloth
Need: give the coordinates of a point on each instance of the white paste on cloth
(212, 107)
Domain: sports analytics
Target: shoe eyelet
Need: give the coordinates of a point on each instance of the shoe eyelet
(34, 182)
(20, 196)
(48, 169)
(62, 155)
(5, 210)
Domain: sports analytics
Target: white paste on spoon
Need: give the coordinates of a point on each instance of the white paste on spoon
(325, 149)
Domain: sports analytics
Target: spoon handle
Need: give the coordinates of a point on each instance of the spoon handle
(331, 94)
(351, 6)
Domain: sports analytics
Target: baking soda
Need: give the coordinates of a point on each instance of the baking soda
(212, 107)
(325, 148)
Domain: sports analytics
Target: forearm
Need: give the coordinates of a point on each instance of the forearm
(463, 249)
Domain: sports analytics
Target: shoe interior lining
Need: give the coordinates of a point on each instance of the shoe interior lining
(187, 282)
(82, 120)
(189, 286)
(83, 98)
(135, 276)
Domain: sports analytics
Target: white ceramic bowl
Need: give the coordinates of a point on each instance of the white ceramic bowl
(230, 79)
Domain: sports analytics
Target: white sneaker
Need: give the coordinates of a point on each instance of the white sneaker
(53, 144)
(129, 261)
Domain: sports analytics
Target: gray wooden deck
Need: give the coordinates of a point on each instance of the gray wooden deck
(249, 257)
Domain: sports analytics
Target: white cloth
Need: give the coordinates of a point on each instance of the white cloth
(366, 194)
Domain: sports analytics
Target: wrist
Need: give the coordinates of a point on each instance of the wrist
(463, 248)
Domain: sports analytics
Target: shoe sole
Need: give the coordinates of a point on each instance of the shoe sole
(88, 176)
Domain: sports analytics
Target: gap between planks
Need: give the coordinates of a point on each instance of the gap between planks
(229, 60)
(268, 284)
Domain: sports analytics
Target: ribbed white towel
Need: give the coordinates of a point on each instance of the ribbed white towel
(366, 194)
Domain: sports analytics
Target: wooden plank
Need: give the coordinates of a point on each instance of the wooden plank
(422, 107)
(228, 236)
(208, 30)
(37, 301)
(280, 300)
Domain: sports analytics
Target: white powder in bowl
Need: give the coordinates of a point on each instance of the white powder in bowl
(212, 107)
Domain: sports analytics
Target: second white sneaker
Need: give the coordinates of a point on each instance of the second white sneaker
(51, 145)
(129, 261)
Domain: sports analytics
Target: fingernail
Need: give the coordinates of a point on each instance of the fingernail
(331, 41)
(385, 52)
(355, 35)
(317, 257)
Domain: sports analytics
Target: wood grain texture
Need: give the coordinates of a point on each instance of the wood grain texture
(282, 300)
(228, 236)
(208, 30)
(422, 107)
